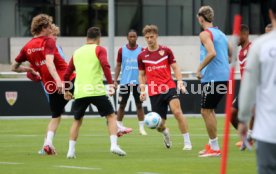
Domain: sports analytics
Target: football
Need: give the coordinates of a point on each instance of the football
(152, 120)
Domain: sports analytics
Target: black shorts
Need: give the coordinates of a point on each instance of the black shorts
(210, 95)
(124, 93)
(160, 102)
(102, 103)
(235, 103)
(57, 103)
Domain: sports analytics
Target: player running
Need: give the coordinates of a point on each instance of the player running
(213, 72)
(127, 62)
(44, 57)
(155, 64)
(89, 62)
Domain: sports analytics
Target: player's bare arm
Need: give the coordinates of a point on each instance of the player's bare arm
(117, 72)
(69, 71)
(178, 76)
(142, 82)
(52, 70)
(17, 67)
(211, 53)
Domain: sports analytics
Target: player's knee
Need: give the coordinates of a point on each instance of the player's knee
(177, 113)
(111, 117)
(79, 122)
(206, 112)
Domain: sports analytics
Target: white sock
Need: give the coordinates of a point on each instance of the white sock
(186, 137)
(72, 145)
(141, 124)
(49, 138)
(249, 134)
(166, 132)
(113, 140)
(214, 143)
(119, 124)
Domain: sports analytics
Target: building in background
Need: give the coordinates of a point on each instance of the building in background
(173, 17)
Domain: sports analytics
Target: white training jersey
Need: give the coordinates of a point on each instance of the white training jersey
(259, 85)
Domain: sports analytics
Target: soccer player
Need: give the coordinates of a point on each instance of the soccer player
(258, 87)
(213, 72)
(89, 62)
(43, 56)
(245, 45)
(36, 77)
(127, 62)
(268, 28)
(155, 64)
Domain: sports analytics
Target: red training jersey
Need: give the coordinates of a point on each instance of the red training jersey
(156, 65)
(35, 52)
(242, 57)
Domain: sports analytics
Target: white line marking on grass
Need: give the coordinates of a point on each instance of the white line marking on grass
(21, 135)
(10, 163)
(93, 116)
(81, 168)
(146, 173)
(104, 135)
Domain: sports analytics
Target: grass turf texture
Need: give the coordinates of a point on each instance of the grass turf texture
(20, 140)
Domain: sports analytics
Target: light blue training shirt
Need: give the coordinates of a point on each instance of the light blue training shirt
(218, 69)
(129, 65)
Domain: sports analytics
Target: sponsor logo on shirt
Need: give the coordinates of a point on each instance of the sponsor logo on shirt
(32, 50)
(153, 68)
(131, 68)
(40, 63)
(147, 55)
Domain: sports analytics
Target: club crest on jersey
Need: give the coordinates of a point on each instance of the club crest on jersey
(11, 97)
(161, 52)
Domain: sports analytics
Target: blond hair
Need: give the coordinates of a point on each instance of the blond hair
(207, 13)
(39, 22)
(55, 30)
(150, 29)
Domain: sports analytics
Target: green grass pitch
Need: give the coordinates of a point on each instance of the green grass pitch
(20, 140)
